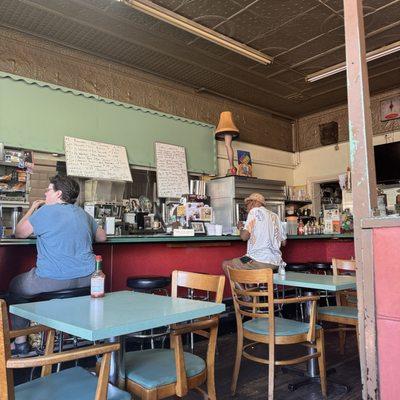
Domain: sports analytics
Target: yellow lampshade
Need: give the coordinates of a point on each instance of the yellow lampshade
(226, 126)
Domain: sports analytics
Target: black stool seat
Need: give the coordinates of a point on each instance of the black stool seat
(63, 294)
(321, 266)
(297, 267)
(148, 283)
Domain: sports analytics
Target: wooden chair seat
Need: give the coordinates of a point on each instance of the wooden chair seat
(338, 311)
(72, 383)
(283, 327)
(156, 367)
(159, 373)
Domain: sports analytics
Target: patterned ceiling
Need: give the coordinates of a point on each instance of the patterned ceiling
(303, 36)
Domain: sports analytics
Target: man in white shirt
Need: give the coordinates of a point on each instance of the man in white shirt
(264, 234)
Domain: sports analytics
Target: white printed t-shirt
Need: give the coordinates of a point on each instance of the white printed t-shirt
(266, 234)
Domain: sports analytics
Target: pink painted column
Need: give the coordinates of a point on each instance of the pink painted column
(387, 291)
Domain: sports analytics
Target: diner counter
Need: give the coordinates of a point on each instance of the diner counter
(163, 238)
(125, 256)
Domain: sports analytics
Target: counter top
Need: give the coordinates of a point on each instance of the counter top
(327, 236)
(158, 238)
(161, 238)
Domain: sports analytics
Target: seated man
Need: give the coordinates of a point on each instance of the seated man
(64, 236)
(264, 234)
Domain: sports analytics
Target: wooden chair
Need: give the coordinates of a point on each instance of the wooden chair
(68, 384)
(253, 298)
(345, 311)
(151, 373)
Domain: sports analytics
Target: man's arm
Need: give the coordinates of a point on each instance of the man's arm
(100, 235)
(246, 232)
(24, 228)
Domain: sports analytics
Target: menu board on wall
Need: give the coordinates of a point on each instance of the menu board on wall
(172, 177)
(96, 160)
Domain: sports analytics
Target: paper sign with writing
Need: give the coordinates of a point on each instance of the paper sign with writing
(96, 160)
(172, 177)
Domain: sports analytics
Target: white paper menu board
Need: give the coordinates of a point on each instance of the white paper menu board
(172, 177)
(96, 160)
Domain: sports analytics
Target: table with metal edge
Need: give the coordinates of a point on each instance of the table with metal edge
(317, 282)
(113, 316)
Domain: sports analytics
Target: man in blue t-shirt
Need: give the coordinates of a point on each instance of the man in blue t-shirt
(64, 236)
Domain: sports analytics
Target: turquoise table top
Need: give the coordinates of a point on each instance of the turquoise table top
(118, 313)
(314, 281)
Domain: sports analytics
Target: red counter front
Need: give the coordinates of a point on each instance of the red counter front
(121, 260)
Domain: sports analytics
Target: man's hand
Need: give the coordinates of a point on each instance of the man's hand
(240, 225)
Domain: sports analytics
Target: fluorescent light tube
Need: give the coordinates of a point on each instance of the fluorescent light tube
(372, 55)
(188, 25)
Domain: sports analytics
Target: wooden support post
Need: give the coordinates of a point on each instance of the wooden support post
(364, 189)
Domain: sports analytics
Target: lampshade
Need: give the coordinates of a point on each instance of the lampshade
(226, 126)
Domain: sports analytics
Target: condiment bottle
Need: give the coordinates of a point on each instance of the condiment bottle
(300, 228)
(97, 280)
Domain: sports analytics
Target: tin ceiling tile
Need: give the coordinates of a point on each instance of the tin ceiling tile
(288, 76)
(312, 49)
(209, 47)
(121, 10)
(328, 60)
(277, 12)
(247, 26)
(389, 36)
(277, 42)
(381, 18)
(170, 4)
(198, 9)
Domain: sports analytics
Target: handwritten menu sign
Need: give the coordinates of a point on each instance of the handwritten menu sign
(96, 160)
(172, 177)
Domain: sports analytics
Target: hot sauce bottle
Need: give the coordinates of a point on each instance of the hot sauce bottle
(97, 280)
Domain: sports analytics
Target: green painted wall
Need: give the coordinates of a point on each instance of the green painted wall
(37, 116)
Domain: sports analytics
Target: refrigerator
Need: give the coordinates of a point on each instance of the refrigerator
(227, 196)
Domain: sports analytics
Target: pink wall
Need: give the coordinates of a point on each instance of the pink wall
(387, 289)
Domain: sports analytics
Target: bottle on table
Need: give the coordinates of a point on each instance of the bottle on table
(97, 280)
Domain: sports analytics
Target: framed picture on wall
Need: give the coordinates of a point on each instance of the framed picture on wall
(390, 108)
(198, 228)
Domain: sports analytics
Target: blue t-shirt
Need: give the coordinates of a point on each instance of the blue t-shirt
(65, 233)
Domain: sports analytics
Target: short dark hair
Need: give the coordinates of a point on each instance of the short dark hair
(69, 187)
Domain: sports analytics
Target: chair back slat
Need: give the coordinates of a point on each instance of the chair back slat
(6, 374)
(253, 296)
(203, 282)
(344, 267)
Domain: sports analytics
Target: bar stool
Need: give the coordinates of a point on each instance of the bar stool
(303, 268)
(322, 268)
(61, 294)
(155, 285)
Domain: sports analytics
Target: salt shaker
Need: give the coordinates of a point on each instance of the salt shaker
(282, 271)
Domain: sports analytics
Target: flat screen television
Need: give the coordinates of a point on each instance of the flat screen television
(387, 163)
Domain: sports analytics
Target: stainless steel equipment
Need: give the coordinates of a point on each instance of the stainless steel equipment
(227, 198)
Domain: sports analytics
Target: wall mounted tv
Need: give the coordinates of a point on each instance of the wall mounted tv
(387, 163)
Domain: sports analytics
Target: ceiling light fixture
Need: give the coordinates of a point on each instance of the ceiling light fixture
(188, 25)
(372, 55)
